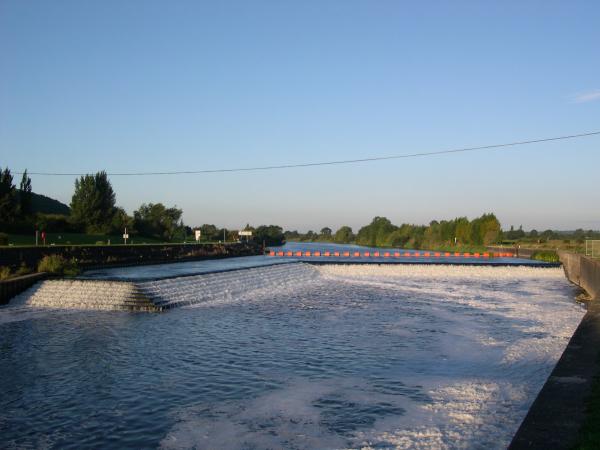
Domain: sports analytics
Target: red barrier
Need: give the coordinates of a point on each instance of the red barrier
(386, 255)
(376, 254)
(289, 254)
(356, 254)
(306, 253)
(367, 254)
(317, 254)
(326, 254)
(486, 255)
(467, 255)
(476, 255)
(416, 254)
(346, 253)
(447, 254)
(336, 253)
(426, 254)
(279, 253)
(407, 254)
(437, 255)
(456, 254)
(298, 253)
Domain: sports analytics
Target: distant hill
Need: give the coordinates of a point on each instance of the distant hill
(42, 204)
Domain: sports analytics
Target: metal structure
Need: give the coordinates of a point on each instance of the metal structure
(592, 248)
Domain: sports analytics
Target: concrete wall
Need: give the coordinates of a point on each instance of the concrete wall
(583, 271)
(89, 256)
(12, 287)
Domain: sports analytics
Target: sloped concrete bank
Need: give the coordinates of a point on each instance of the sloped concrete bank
(559, 411)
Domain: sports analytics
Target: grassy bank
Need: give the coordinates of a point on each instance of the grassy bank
(90, 239)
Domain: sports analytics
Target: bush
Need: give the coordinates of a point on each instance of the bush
(3, 239)
(4, 273)
(23, 270)
(58, 265)
(546, 256)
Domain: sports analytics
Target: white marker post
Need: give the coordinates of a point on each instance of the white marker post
(197, 234)
(125, 236)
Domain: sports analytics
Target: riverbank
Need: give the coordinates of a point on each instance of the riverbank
(560, 417)
(95, 256)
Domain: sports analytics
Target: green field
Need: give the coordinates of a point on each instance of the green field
(88, 239)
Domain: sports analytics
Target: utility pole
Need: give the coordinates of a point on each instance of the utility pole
(224, 231)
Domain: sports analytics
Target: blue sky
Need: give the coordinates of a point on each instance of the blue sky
(165, 86)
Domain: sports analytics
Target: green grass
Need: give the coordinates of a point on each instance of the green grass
(87, 239)
(546, 256)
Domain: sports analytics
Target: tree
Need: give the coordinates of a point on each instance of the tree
(376, 233)
(93, 203)
(344, 235)
(25, 195)
(156, 220)
(8, 209)
(326, 233)
(269, 234)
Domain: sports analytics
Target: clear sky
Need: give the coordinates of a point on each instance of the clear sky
(130, 86)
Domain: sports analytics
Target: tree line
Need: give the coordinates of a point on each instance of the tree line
(94, 210)
(381, 232)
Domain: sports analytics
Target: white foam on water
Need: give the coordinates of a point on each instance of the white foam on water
(536, 316)
(507, 325)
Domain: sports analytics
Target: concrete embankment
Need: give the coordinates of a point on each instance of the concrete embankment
(90, 256)
(10, 288)
(556, 416)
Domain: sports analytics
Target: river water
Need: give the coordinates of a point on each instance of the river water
(351, 356)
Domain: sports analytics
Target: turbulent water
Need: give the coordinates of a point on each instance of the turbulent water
(301, 357)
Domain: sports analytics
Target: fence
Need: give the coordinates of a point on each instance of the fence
(592, 248)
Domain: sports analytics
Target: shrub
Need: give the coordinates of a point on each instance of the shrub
(23, 270)
(4, 273)
(58, 265)
(3, 239)
(546, 256)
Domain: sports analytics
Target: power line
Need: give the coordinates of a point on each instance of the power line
(332, 163)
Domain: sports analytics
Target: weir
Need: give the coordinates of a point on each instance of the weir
(162, 294)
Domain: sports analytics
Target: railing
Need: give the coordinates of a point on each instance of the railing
(592, 248)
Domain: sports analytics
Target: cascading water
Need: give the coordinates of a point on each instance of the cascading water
(165, 293)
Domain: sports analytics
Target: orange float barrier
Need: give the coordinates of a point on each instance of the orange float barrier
(426, 254)
(407, 254)
(386, 255)
(437, 255)
(279, 253)
(298, 253)
(476, 255)
(416, 254)
(346, 253)
(467, 255)
(271, 253)
(486, 255)
(356, 254)
(367, 254)
(306, 253)
(326, 254)
(317, 254)
(456, 254)
(289, 254)
(336, 253)
(447, 254)
(376, 254)
(397, 254)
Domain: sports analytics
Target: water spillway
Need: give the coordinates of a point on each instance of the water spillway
(166, 293)
(282, 356)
